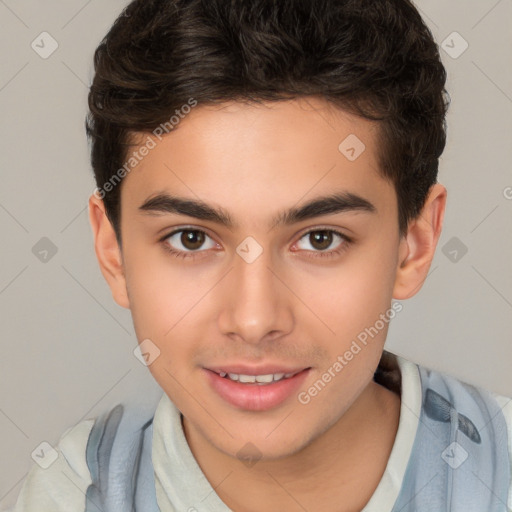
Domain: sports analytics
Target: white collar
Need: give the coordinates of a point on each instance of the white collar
(182, 486)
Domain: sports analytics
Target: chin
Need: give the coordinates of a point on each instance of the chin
(259, 446)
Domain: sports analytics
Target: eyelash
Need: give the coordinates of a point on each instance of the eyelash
(347, 241)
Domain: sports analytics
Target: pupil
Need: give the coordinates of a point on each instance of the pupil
(192, 239)
(321, 239)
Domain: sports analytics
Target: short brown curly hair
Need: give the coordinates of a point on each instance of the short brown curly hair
(374, 58)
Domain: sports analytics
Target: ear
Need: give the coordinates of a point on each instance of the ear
(108, 251)
(418, 246)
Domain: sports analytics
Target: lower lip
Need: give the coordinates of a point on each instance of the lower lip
(256, 397)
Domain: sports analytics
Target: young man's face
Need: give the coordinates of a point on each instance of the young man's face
(272, 293)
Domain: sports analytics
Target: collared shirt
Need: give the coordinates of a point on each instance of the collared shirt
(180, 484)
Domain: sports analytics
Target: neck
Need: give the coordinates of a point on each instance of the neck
(339, 471)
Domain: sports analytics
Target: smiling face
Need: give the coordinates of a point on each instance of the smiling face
(253, 245)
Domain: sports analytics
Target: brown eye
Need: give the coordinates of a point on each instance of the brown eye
(192, 239)
(185, 241)
(321, 240)
(324, 242)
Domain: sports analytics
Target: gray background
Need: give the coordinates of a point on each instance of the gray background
(67, 348)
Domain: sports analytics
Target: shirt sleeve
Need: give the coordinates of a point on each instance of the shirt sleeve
(62, 486)
(506, 406)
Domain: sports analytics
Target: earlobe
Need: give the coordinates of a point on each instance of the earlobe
(417, 247)
(108, 251)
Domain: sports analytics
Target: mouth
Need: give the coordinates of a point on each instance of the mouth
(262, 379)
(255, 389)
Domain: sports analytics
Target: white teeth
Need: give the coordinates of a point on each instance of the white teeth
(265, 378)
(260, 379)
(246, 378)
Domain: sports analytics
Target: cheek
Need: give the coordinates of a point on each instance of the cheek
(162, 308)
(359, 293)
(163, 293)
(352, 296)
(171, 305)
(168, 299)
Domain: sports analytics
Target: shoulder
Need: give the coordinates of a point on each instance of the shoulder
(505, 404)
(483, 423)
(86, 459)
(491, 414)
(58, 479)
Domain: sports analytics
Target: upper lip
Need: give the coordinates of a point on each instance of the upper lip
(245, 369)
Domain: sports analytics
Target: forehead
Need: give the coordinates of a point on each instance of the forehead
(256, 155)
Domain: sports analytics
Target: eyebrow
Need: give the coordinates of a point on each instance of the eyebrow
(335, 203)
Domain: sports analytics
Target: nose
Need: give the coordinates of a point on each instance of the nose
(256, 305)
